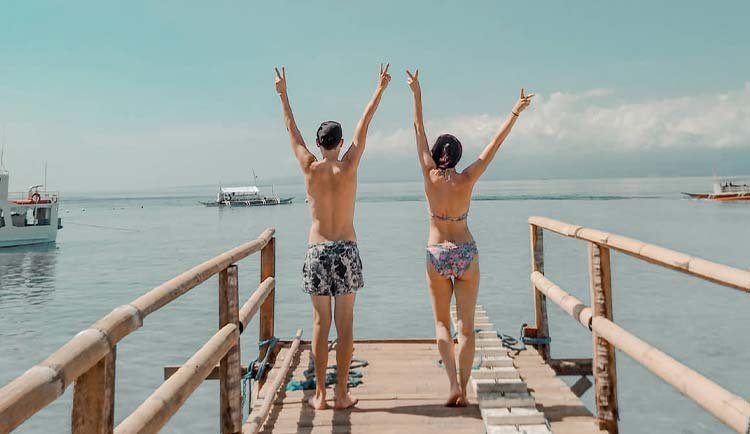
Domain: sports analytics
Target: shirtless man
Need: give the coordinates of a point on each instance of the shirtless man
(332, 266)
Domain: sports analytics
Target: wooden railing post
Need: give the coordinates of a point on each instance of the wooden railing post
(267, 269)
(604, 369)
(540, 300)
(94, 398)
(230, 370)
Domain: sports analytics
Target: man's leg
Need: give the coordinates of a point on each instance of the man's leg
(321, 327)
(344, 316)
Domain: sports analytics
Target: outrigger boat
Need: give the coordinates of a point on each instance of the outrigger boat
(29, 219)
(725, 190)
(245, 196)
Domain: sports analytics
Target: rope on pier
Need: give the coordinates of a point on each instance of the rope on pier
(256, 375)
(519, 344)
(355, 377)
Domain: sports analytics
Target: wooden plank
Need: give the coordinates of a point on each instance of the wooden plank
(512, 416)
(711, 271)
(214, 375)
(403, 390)
(505, 400)
(604, 368)
(158, 408)
(94, 398)
(230, 371)
(564, 411)
(540, 302)
(573, 367)
(267, 269)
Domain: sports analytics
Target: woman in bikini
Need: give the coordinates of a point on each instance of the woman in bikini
(452, 255)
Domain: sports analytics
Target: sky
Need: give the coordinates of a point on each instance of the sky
(135, 95)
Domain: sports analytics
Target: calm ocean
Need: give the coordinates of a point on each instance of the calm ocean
(114, 247)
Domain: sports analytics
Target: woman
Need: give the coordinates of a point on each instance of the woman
(452, 256)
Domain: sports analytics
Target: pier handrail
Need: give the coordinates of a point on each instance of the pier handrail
(729, 408)
(88, 359)
(712, 271)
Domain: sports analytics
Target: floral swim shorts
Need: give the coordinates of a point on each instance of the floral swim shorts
(332, 268)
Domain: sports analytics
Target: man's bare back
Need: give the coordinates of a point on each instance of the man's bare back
(331, 190)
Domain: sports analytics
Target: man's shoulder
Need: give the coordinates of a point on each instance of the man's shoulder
(333, 167)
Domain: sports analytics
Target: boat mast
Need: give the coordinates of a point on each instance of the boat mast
(2, 153)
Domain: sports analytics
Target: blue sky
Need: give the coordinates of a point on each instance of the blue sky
(121, 95)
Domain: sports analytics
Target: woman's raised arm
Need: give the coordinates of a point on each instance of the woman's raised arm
(423, 150)
(477, 168)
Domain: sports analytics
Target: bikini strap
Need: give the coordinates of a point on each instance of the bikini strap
(446, 218)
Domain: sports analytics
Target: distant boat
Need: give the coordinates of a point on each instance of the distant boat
(30, 218)
(245, 196)
(725, 190)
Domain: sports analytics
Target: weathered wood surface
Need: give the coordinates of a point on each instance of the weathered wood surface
(267, 308)
(729, 408)
(564, 411)
(604, 365)
(94, 398)
(230, 369)
(258, 417)
(712, 271)
(403, 392)
(45, 382)
(540, 300)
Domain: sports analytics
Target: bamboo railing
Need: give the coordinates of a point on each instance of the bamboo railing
(607, 336)
(88, 360)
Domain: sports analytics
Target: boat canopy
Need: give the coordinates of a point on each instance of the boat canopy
(240, 190)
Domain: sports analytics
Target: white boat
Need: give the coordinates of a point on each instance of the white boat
(245, 196)
(27, 218)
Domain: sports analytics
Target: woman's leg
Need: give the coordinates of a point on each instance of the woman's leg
(321, 327)
(466, 289)
(441, 291)
(344, 318)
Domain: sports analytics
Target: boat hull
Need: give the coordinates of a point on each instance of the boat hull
(722, 197)
(242, 204)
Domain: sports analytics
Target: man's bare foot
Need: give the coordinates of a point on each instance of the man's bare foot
(346, 401)
(462, 401)
(318, 402)
(454, 397)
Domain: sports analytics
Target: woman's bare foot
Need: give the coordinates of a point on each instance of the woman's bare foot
(462, 401)
(454, 397)
(346, 401)
(318, 402)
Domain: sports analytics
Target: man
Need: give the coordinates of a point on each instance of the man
(332, 266)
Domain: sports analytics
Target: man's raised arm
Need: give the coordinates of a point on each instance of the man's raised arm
(304, 156)
(354, 154)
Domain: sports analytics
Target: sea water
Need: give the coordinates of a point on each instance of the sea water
(116, 246)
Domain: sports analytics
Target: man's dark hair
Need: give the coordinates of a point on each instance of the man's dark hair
(446, 151)
(329, 134)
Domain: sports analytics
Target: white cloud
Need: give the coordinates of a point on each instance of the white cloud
(595, 120)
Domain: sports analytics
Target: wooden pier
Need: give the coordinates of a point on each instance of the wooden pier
(514, 389)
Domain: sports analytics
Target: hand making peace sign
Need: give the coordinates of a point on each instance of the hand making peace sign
(385, 77)
(280, 81)
(522, 103)
(413, 81)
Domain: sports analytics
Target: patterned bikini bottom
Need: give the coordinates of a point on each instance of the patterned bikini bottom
(450, 259)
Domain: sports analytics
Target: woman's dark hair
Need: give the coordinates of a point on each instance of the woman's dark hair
(446, 151)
